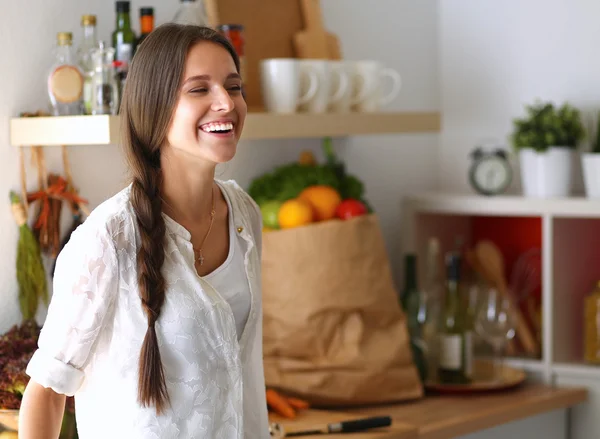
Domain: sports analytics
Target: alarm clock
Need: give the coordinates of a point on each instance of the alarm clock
(490, 172)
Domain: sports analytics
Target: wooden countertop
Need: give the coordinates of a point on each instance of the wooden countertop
(445, 417)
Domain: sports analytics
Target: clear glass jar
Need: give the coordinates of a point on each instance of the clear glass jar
(65, 80)
(104, 82)
(191, 12)
(88, 44)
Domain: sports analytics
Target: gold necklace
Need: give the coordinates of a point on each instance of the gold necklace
(200, 257)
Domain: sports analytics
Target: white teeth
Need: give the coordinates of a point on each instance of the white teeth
(210, 127)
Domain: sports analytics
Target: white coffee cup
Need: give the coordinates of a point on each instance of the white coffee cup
(280, 84)
(332, 84)
(368, 82)
(342, 70)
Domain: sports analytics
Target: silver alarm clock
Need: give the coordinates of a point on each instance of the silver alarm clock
(490, 172)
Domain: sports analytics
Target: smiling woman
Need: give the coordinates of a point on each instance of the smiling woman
(155, 320)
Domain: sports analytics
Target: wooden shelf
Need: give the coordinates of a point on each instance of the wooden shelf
(104, 130)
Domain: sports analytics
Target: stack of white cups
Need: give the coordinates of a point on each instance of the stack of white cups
(292, 85)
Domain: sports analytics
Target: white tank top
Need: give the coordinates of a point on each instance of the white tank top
(229, 279)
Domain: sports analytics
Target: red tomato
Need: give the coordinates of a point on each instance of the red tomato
(350, 208)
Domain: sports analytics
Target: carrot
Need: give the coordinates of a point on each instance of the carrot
(280, 405)
(297, 403)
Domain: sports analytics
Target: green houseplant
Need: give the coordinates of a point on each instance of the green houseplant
(545, 140)
(590, 161)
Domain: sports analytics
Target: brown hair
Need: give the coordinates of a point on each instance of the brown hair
(149, 99)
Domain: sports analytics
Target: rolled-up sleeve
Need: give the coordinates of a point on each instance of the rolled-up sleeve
(86, 281)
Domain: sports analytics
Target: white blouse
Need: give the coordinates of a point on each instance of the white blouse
(90, 343)
(230, 279)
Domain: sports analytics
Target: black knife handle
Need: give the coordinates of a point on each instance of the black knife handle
(360, 424)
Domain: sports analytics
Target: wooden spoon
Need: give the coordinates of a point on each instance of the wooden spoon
(492, 263)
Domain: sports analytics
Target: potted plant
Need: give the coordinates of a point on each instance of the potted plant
(546, 139)
(590, 162)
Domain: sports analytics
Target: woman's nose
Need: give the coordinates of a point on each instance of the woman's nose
(222, 101)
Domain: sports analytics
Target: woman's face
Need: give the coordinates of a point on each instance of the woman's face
(210, 112)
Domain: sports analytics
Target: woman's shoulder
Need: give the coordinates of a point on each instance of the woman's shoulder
(242, 202)
(110, 219)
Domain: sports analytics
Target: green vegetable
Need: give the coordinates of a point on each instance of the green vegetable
(287, 181)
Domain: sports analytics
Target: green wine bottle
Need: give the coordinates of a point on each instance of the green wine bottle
(456, 351)
(123, 39)
(411, 303)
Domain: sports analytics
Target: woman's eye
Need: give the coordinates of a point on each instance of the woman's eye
(199, 90)
(235, 88)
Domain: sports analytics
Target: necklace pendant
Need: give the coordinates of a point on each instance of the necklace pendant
(201, 259)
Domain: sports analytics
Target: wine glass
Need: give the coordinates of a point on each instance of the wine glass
(494, 322)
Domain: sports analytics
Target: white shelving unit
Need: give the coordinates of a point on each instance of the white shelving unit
(570, 237)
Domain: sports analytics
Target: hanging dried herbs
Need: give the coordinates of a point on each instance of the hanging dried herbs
(31, 275)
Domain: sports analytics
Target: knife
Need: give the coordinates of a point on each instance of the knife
(337, 427)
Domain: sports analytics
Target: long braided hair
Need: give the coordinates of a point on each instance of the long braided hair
(149, 99)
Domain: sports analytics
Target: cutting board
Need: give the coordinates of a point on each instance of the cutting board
(269, 29)
(314, 42)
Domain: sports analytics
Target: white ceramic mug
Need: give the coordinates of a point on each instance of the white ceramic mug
(333, 83)
(280, 84)
(343, 70)
(368, 84)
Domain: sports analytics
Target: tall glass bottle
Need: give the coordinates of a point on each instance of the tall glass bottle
(433, 291)
(191, 12)
(89, 43)
(456, 351)
(146, 23)
(65, 80)
(123, 39)
(412, 302)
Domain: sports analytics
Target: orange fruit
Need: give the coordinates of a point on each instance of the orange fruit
(323, 199)
(295, 213)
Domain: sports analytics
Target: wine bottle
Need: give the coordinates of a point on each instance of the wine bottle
(456, 352)
(412, 303)
(123, 39)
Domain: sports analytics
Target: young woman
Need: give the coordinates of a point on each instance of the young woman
(155, 320)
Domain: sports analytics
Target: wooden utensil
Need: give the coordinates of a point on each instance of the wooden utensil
(269, 29)
(314, 42)
(492, 263)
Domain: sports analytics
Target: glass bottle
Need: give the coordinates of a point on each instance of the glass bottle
(65, 80)
(591, 323)
(84, 57)
(412, 304)
(191, 12)
(123, 39)
(146, 23)
(433, 291)
(105, 87)
(456, 350)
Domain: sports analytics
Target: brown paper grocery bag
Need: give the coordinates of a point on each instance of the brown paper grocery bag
(334, 332)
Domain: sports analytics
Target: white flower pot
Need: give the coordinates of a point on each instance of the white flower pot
(546, 174)
(590, 162)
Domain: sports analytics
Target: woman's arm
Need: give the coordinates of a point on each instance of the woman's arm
(41, 413)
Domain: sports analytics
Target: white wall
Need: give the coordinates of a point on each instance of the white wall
(404, 37)
(495, 56)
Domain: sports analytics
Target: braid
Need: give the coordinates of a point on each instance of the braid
(152, 389)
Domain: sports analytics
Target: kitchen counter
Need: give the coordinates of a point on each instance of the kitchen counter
(445, 417)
